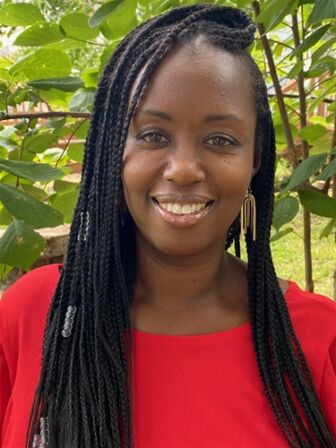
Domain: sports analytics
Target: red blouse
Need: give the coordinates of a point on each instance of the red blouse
(200, 391)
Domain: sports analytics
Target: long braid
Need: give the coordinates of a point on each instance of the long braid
(88, 403)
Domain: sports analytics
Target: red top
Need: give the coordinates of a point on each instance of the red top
(197, 391)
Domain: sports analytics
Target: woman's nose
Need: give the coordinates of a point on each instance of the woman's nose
(184, 165)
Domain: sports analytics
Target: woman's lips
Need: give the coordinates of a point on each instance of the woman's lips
(178, 219)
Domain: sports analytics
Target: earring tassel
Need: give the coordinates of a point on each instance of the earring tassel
(248, 216)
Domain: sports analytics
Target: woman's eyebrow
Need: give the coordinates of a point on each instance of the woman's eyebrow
(207, 119)
(222, 117)
(157, 113)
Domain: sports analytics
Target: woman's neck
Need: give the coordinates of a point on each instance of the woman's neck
(177, 284)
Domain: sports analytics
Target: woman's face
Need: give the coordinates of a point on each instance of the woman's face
(189, 155)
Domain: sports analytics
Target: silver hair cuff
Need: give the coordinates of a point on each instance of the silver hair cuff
(41, 440)
(69, 321)
(84, 226)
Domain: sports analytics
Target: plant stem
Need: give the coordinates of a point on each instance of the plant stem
(277, 87)
(305, 155)
(69, 140)
(50, 114)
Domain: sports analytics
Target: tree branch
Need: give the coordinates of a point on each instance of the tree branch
(305, 154)
(32, 115)
(277, 87)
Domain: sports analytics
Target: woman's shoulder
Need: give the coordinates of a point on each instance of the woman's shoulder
(312, 314)
(30, 292)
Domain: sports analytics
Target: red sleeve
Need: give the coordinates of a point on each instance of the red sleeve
(23, 311)
(5, 387)
(328, 387)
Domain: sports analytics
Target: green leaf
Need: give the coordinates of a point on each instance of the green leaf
(42, 64)
(318, 203)
(311, 40)
(296, 70)
(5, 217)
(163, 6)
(122, 21)
(17, 97)
(90, 77)
(285, 210)
(328, 171)
(306, 169)
(326, 231)
(4, 268)
(68, 43)
(82, 100)
(4, 63)
(107, 53)
(312, 132)
(39, 142)
(103, 12)
(30, 210)
(82, 130)
(20, 246)
(323, 49)
(20, 14)
(323, 9)
(67, 84)
(65, 203)
(280, 234)
(275, 11)
(39, 34)
(32, 171)
(321, 66)
(76, 25)
(76, 152)
(35, 192)
(319, 98)
(63, 186)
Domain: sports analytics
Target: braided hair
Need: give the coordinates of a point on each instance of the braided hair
(84, 391)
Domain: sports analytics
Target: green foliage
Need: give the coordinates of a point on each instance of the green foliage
(42, 64)
(305, 170)
(318, 203)
(39, 34)
(58, 54)
(19, 14)
(323, 9)
(67, 84)
(31, 171)
(76, 25)
(30, 210)
(285, 210)
(103, 12)
(20, 245)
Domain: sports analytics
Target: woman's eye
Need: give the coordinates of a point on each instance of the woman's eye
(220, 140)
(153, 137)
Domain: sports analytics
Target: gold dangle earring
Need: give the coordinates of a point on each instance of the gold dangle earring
(248, 215)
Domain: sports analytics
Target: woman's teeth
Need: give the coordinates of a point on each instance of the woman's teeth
(179, 209)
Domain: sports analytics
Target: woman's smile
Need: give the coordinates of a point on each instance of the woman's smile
(179, 212)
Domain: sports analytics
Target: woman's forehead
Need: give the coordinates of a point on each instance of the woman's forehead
(202, 76)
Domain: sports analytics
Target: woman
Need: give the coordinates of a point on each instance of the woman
(156, 336)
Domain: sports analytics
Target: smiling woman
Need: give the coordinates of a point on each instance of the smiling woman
(156, 336)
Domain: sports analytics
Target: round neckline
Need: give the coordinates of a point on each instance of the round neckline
(240, 331)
